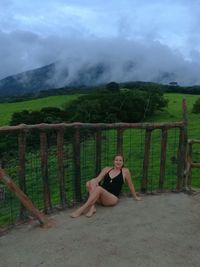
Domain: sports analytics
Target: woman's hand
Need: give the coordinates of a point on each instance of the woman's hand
(92, 184)
(94, 181)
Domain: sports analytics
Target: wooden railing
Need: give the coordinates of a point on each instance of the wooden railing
(22, 130)
(190, 164)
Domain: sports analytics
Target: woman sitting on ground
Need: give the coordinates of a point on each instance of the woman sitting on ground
(106, 194)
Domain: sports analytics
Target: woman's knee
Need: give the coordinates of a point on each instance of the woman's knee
(98, 189)
(87, 184)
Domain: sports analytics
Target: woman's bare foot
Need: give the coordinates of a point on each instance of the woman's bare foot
(91, 212)
(75, 214)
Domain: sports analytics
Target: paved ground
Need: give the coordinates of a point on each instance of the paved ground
(159, 231)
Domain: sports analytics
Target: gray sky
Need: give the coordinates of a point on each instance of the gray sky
(158, 36)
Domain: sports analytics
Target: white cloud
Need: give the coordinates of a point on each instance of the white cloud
(34, 33)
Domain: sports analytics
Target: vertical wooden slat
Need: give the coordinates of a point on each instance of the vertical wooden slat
(60, 157)
(180, 160)
(77, 165)
(189, 174)
(44, 170)
(120, 141)
(182, 149)
(163, 158)
(147, 145)
(185, 117)
(98, 150)
(22, 181)
(185, 137)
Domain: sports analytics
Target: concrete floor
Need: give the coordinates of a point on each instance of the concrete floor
(161, 230)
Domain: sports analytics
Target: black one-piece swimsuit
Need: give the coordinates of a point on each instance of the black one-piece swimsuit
(113, 185)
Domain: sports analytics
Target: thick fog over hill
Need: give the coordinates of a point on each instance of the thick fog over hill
(123, 60)
(92, 42)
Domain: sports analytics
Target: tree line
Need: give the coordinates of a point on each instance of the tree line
(108, 105)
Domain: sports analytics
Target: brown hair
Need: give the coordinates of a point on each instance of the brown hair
(118, 155)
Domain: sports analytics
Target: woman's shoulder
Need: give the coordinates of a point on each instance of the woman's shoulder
(125, 172)
(125, 169)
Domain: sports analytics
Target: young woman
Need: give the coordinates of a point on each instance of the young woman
(106, 194)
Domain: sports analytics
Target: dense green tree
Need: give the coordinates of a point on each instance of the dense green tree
(126, 106)
(45, 115)
(100, 106)
(112, 87)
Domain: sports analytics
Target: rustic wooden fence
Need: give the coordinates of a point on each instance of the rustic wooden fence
(190, 163)
(96, 129)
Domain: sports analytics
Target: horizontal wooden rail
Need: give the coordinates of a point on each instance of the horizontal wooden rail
(45, 126)
(195, 165)
(193, 141)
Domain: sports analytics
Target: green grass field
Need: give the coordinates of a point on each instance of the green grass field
(174, 113)
(7, 109)
(171, 113)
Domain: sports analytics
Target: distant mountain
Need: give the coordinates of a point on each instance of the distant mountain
(26, 82)
(49, 77)
(74, 75)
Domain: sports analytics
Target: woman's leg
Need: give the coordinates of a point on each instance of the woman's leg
(91, 187)
(106, 198)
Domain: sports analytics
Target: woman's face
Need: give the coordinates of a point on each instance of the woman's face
(118, 162)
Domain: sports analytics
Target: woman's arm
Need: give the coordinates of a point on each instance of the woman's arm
(101, 175)
(130, 184)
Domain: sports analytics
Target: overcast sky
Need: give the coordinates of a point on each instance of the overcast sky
(158, 36)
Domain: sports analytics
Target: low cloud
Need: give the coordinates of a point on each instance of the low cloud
(123, 59)
(131, 40)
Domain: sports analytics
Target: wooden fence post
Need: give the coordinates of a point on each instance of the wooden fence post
(163, 158)
(22, 197)
(190, 164)
(22, 180)
(182, 150)
(147, 145)
(44, 169)
(189, 167)
(77, 165)
(60, 157)
(120, 141)
(98, 150)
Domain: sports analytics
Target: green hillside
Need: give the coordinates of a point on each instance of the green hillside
(174, 113)
(7, 109)
(171, 113)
